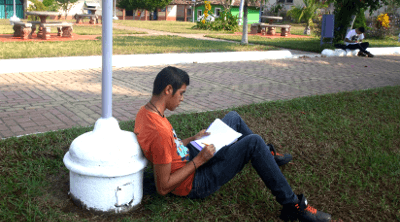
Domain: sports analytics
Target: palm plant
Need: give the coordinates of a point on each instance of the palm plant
(306, 12)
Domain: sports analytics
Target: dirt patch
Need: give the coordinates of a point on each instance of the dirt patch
(53, 38)
(87, 24)
(277, 35)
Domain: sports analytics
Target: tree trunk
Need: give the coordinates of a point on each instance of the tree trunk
(245, 40)
(353, 19)
(307, 30)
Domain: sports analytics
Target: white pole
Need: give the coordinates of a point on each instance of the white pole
(240, 12)
(194, 6)
(14, 18)
(115, 10)
(107, 44)
(106, 165)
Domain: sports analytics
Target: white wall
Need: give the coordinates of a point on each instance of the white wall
(172, 10)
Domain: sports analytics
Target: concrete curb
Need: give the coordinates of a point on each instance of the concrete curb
(374, 51)
(91, 62)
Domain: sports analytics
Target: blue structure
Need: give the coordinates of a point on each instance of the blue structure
(328, 25)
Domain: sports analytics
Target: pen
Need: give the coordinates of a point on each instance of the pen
(205, 144)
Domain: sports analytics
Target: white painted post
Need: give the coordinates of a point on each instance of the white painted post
(14, 18)
(240, 12)
(106, 165)
(194, 7)
(115, 10)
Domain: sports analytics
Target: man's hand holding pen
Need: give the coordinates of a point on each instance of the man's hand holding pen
(207, 152)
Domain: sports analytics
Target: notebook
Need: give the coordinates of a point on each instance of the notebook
(220, 135)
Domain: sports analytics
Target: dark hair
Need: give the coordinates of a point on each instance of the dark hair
(170, 76)
(361, 29)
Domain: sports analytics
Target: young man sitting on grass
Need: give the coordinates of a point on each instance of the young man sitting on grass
(353, 40)
(181, 169)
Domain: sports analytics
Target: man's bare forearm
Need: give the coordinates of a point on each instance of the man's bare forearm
(188, 140)
(349, 41)
(180, 175)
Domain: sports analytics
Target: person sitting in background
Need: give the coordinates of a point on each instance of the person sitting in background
(353, 40)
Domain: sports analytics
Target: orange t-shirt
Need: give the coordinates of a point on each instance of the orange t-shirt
(160, 145)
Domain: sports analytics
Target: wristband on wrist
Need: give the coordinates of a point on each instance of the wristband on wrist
(195, 168)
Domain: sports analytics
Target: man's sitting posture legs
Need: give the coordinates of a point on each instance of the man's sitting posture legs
(181, 169)
(230, 160)
(354, 40)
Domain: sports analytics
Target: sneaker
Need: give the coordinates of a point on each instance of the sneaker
(361, 54)
(303, 212)
(370, 55)
(281, 159)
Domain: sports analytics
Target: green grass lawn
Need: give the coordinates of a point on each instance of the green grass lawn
(186, 27)
(346, 161)
(121, 45)
(6, 28)
(168, 26)
(97, 30)
(305, 44)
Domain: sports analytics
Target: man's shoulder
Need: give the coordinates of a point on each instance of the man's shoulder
(351, 32)
(146, 122)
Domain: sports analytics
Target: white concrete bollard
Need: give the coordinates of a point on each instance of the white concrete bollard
(340, 52)
(328, 52)
(106, 169)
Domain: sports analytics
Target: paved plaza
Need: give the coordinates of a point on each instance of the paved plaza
(44, 101)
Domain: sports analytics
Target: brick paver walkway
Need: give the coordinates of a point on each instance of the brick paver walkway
(45, 101)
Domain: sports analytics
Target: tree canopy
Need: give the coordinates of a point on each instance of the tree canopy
(345, 9)
(149, 5)
(66, 5)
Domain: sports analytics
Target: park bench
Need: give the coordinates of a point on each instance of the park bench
(256, 28)
(79, 18)
(64, 29)
(261, 28)
(22, 29)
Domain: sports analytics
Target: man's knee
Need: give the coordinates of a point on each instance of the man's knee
(255, 138)
(233, 114)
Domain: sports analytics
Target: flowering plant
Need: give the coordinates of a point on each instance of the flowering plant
(383, 21)
(380, 28)
(207, 7)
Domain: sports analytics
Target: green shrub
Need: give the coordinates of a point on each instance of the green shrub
(376, 31)
(226, 22)
(360, 20)
(36, 6)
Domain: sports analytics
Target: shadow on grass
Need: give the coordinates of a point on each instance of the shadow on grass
(122, 46)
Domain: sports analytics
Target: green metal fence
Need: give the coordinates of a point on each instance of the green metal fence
(7, 9)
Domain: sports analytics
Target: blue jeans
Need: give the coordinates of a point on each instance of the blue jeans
(362, 46)
(230, 160)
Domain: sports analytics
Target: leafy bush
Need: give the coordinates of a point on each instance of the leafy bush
(226, 22)
(51, 5)
(35, 6)
(275, 9)
(360, 20)
(381, 30)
